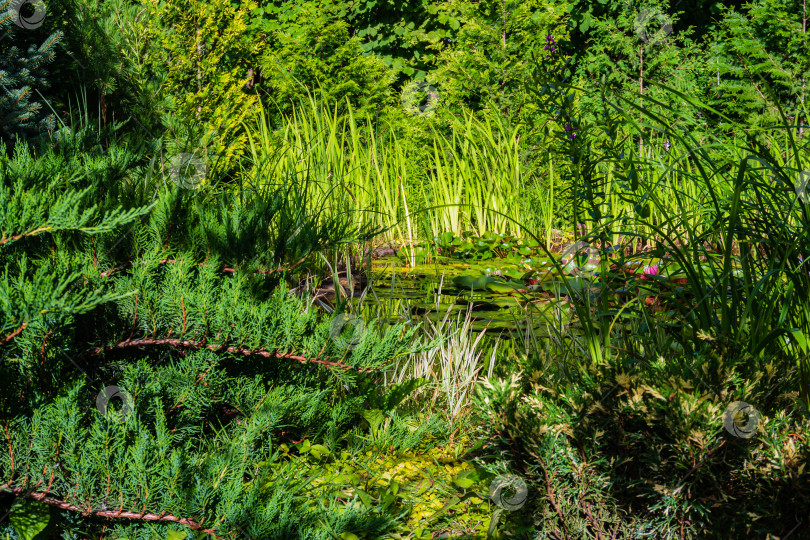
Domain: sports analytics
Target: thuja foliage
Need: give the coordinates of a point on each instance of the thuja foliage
(104, 59)
(632, 48)
(324, 57)
(491, 55)
(102, 286)
(206, 54)
(406, 36)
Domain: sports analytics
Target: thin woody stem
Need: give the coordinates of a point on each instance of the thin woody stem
(191, 344)
(42, 496)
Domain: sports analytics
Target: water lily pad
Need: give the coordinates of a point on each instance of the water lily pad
(473, 282)
(515, 273)
(502, 287)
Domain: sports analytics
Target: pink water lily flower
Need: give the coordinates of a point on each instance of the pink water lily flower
(651, 270)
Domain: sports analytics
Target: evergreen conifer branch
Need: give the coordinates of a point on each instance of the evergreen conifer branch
(27, 212)
(42, 299)
(19, 74)
(198, 445)
(192, 306)
(225, 269)
(158, 463)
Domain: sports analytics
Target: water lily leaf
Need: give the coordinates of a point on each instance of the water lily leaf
(472, 282)
(515, 273)
(502, 287)
(480, 305)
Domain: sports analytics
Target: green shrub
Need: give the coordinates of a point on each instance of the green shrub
(759, 59)
(206, 55)
(324, 58)
(23, 73)
(490, 59)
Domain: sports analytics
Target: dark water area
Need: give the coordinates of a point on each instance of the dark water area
(501, 298)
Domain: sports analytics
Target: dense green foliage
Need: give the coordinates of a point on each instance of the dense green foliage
(160, 311)
(167, 370)
(22, 71)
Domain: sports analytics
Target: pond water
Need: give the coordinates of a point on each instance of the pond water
(511, 297)
(499, 293)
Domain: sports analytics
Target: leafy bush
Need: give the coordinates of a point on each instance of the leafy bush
(758, 56)
(625, 449)
(405, 36)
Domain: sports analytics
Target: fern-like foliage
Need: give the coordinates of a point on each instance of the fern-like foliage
(759, 59)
